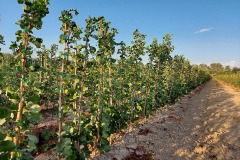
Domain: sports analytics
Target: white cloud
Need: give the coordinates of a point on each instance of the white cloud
(204, 30)
(232, 64)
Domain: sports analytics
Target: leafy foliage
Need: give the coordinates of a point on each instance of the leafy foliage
(216, 67)
(94, 93)
(25, 96)
(1, 42)
(230, 77)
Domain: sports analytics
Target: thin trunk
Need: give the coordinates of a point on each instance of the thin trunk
(16, 139)
(146, 91)
(75, 73)
(100, 107)
(61, 95)
(121, 94)
(110, 85)
(156, 85)
(100, 92)
(41, 61)
(76, 112)
(134, 90)
(81, 98)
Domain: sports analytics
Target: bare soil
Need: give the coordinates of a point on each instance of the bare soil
(204, 125)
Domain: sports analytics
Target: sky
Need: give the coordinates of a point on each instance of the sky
(204, 31)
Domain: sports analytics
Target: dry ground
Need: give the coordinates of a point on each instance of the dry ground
(202, 125)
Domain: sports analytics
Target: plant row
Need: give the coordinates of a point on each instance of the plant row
(95, 94)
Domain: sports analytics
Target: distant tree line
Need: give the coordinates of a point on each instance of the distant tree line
(219, 68)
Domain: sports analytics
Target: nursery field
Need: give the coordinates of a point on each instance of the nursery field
(73, 103)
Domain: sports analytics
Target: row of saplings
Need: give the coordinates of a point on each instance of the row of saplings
(95, 94)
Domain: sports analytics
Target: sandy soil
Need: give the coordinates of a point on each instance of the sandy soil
(203, 125)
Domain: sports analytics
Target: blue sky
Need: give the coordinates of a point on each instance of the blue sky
(204, 31)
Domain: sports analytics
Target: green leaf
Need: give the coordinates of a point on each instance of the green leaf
(83, 138)
(46, 135)
(13, 107)
(35, 108)
(6, 146)
(28, 3)
(67, 151)
(77, 80)
(39, 40)
(71, 130)
(139, 108)
(105, 135)
(105, 142)
(34, 98)
(4, 113)
(37, 90)
(67, 141)
(67, 17)
(59, 147)
(2, 136)
(85, 88)
(106, 148)
(5, 156)
(21, 1)
(32, 68)
(34, 117)
(33, 138)
(112, 60)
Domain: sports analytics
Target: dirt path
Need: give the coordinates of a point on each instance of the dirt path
(203, 125)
